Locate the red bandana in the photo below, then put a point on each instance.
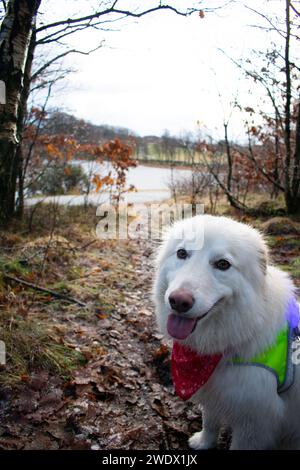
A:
(191, 370)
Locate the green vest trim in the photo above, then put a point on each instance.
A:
(275, 358)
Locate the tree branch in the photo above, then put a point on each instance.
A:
(36, 134)
(294, 9)
(113, 10)
(252, 158)
(287, 107)
(8, 277)
(296, 172)
(60, 56)
(233, 201)
(262, 81)
(71, 29)
(265, 18)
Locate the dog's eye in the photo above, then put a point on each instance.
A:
(182, 253)
(222, 264)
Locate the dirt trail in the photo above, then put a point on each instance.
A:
(123, 397)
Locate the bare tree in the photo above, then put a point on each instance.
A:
(16, 39)
(277, 72)
(169, 149)
(19, 37)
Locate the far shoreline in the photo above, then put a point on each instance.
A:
(151, 164)
(156, 164)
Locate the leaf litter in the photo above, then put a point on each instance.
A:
(122, 397)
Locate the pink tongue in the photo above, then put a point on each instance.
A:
(179, 327)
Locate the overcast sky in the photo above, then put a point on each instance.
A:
(164, 71)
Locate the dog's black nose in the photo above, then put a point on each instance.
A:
(181, 300)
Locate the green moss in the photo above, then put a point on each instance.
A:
(273, 241)
(61, 287)
(293, 268)
(13, 266)
(75, 272)
(294, 241)
(281, 241)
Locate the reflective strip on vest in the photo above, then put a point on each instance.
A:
(276, 359)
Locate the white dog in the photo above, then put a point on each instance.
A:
(232, 318)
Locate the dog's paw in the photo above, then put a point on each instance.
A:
(202, 440)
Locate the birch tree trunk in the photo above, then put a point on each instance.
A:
(21, 121)
(15, 35)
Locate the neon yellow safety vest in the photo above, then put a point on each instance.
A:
(276, 358)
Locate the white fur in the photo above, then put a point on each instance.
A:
(254, 296)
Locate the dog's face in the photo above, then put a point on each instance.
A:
(210, 274)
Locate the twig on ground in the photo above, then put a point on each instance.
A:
(43, 289)
(88, 244)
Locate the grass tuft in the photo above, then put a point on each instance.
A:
(30, 346)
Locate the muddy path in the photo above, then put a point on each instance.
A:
(123, 396)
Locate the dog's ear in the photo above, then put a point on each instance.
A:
(263, 259)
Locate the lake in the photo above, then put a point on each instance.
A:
(151, 184)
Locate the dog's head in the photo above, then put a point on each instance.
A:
(209, 282)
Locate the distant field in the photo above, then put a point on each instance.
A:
(178, 157)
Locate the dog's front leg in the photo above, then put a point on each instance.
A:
(207, 438)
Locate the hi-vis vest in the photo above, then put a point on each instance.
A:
(278, 357)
